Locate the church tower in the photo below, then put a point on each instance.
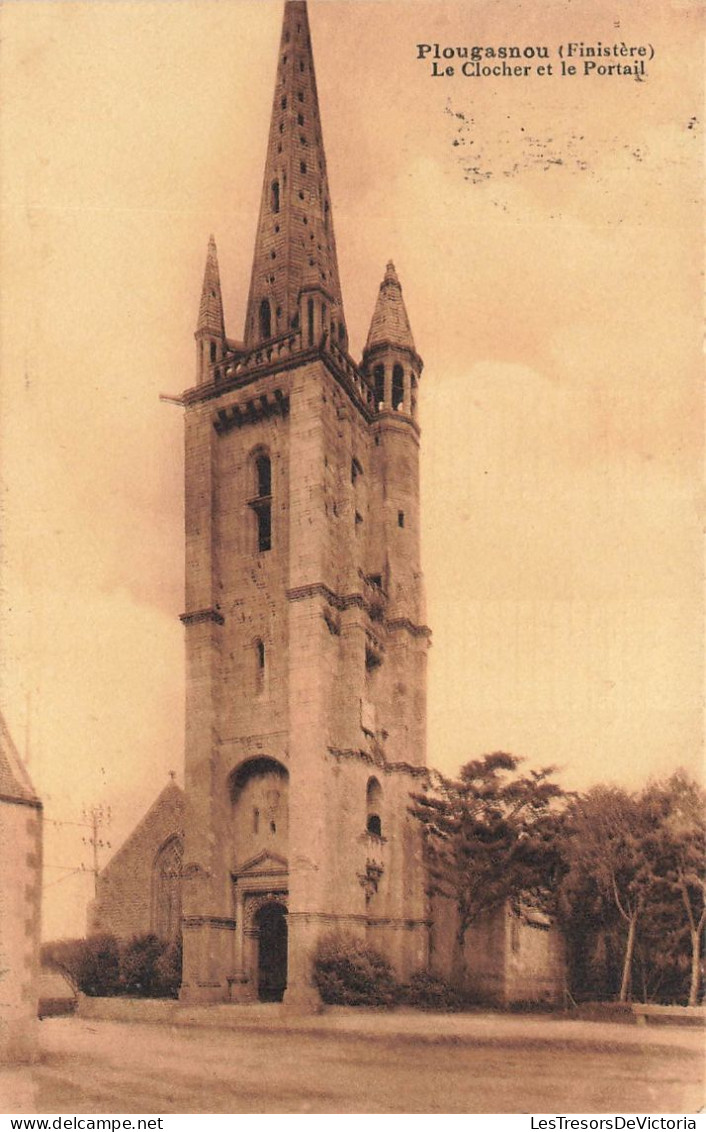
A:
(305, 627)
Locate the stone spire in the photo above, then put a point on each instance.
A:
(295, 249)
(211, 307)
(390, 324)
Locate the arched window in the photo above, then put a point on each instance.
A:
(275, 192)
(166, 888)
(373, 801)
(262, 503)
(310, 321)
(379, 378)
(212, 351)
(397, 386)
(265, 319)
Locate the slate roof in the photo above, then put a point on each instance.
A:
(15, 784)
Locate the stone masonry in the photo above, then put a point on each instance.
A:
(20, 904)
(133, 890)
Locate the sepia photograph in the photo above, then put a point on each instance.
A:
(351, 559)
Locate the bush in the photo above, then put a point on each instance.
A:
(67, 957)
(100, 969)
(90, 965)
(167, 970)
(138, 963)
(430, 992)
(102, 966)
(349, 973)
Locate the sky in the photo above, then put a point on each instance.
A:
(547, 232)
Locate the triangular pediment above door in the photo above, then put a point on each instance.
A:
(264, 864)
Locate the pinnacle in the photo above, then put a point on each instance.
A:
(211, 305)
(390, 324)
(391, 274)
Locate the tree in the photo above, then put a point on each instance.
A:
(610, 848)
(677, 812)
(490, 836)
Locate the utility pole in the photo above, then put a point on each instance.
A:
(95, 817)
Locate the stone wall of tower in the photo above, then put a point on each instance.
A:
(309, 600)
(401, 680)
(203, 946)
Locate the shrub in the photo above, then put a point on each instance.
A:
(90, 965)
(349, 973)
(167, 970)
(102, 966)
(66, 956)
(100, 971)
(430, 992)
(138, 963)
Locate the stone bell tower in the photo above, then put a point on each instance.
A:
(305, 635)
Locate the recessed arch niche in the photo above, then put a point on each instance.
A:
(259, 796)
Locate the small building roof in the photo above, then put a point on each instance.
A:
(15, 783)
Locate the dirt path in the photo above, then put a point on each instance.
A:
(107, 1067)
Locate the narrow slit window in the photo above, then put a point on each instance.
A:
(275, 196)
(310, 321)
(400, 518)
(259, 666)
(265, 319)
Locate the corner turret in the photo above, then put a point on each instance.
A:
(390, 361)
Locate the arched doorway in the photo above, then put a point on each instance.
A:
(271, 924)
